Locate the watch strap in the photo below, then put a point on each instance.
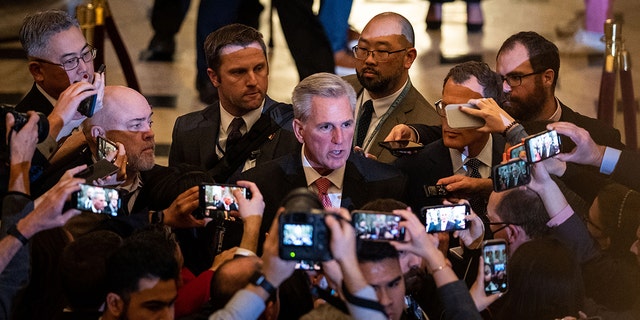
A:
(13, 231)
(259, 280)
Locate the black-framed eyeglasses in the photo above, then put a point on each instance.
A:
(440, 108)
(515, 80)
(72, 63)
(378, 55)
(503, 225)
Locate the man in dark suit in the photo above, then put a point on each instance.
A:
(529, 65)
(384, 54)
(324, 124)
(243, 128)
(446, 161)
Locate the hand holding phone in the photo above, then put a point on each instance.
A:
(99, 170)
(219, 197)
(106, 148)
(542, 145)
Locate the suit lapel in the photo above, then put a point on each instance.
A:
(207, 135)
(354, 188)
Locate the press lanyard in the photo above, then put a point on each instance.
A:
(384, 117)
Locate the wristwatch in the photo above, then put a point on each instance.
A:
(259, 280)
(157, 217)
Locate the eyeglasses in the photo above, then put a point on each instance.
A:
(378, 55)
(503, 225)
(516, 80)
(73, 63)
(440, 108)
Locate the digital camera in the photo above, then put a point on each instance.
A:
(303, 232)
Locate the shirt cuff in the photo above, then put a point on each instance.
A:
(609, 160)
(561, 217)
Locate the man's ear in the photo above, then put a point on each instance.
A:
(515, 234)
(213, 76)
(115, 305)
(410, 57)
(97, 131)
(547, 77)
(36, 71)
(298, 129)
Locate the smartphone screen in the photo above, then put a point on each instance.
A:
(219, 197)
(445, 218)
(105, 147)
(511, 175)
(494, 254)
(542, 146)
(96, 199)
(378, 226)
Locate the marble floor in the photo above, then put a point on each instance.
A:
(170, 85)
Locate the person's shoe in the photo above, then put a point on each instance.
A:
(583, 42)
(159, 50)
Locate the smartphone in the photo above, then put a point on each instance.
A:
(437, 191)
(88, 106)
(446, 217)
(516, 151)
(99, 170)
(377, 226)
(459, 120)
(401, 145)
(105, 147)
(494, 254)
(511, 175)
(216, 197)
(96, 199)
(542, 145)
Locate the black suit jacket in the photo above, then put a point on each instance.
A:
(430, 165)
(364, 180)
(35, 100)
(195, 136)
(600, 132)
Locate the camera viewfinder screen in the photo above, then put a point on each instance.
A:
(377, 226)
(299, 235)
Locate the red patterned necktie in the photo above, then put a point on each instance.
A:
(323, 185)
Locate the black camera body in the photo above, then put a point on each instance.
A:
(21, 119)
(303, 232)
(304, 236)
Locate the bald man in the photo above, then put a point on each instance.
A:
(149, 191)
(384, 54)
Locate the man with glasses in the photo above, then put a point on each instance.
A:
(384, 54)
(61, 63)
(463, 158)
(529, 65)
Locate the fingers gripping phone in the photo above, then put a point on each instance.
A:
(377, 226)
(511, 175)
(96, 199)
(88, 106)
(446, 218)
(105, 147)
(219, 197)
(494, 255)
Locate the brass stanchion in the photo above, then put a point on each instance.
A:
(95, 20)
(616, 60)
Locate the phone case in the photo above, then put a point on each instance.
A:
(459, 120)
